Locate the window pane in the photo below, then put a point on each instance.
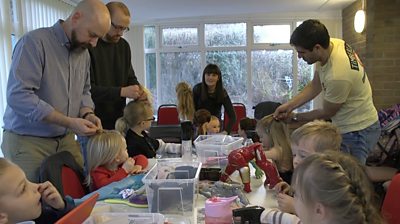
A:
(151, 75)
(219, 35)
(175, 68)
(272, 34)
(304, 77)
(179, 36)
(272, 75)
(233, 68)
(149, 37)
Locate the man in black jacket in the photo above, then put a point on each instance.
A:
(112, 77)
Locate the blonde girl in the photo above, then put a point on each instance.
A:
(108, 160)
(274, 136)
(184, 96)
(133, 125)
(333, 188)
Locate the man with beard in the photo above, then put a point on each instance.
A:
(48, 90)
(342, 79)
(112, 77)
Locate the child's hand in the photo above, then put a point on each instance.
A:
(51, 196)
(286, 203)
(137, 169)
(282, 187)
(128, 165)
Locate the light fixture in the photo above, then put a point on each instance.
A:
(359, 19)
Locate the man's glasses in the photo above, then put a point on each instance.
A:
(120, 28)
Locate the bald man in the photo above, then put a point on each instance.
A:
(48, 91)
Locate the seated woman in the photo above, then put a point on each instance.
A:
(211, 95)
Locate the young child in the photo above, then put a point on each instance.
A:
(184, 96)
(312, 137)
(333, 188)
(21, 200)
(133, 125)
(108, 160)
(213, 126)
(247, 129)
(274, 136)
(200, 121)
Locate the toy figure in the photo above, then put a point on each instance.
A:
(221, 189)
(239, 159)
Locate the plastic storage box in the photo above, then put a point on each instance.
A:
(171, 187)
(212, 150)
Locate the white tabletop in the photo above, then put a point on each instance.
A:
(258, 196)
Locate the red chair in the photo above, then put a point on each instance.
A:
(240, 110)
(72, 183)
(391, 206)
(64, 173)
(167, 115)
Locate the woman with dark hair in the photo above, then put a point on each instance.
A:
(211, 95)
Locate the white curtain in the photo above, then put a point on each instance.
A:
(16, 18)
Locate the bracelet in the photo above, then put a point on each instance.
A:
(87, 114)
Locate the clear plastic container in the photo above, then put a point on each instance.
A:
(171, 187)
(212, 150)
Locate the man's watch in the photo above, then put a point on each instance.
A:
(295, 117)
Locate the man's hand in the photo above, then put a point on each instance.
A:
(132, 92)
(95, 120)
(83, 127)
(51, 196)
(283, 112)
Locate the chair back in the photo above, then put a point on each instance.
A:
(391, 206)
(240, 110)
(64, 173)
(72, 183)
(265, 108)
(167, 115)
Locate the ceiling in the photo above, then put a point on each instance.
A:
(157, 10)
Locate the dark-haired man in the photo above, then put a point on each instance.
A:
(342, 79)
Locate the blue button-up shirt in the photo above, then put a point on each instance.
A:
(46, 76)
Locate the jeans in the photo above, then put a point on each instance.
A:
(83, 140)
(360, 143)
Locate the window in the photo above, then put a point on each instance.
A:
(256, 66)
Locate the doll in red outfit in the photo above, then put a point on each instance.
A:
(108, 160)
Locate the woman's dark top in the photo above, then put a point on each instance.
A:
(211, 104)
(137, 145)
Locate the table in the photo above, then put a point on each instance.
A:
(259, 196)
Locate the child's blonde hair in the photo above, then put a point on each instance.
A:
(102, 149)
(184, 95)
(134, 112)
(324, 134)
(338, 182)
(279, 135)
